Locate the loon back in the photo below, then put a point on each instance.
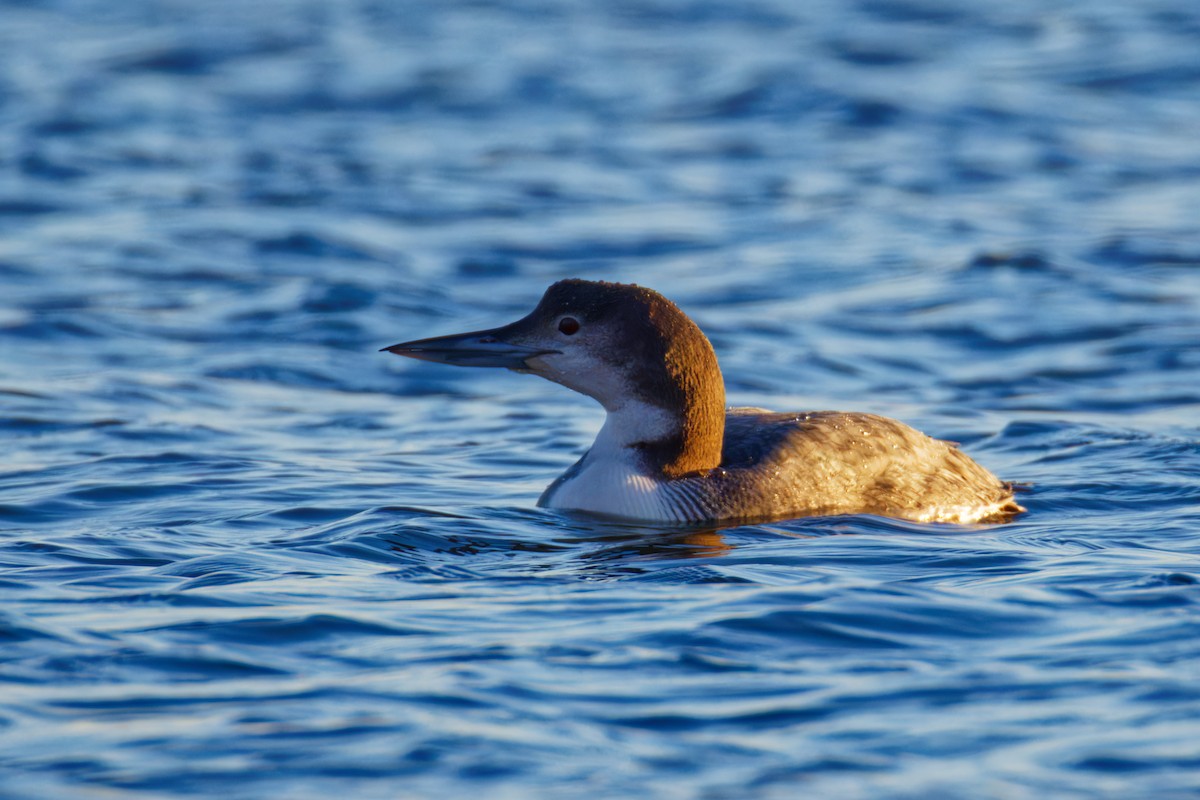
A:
(834, 462)
(670, 452)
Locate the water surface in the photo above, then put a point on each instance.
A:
(243, 554)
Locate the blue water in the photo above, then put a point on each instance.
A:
(245, 555)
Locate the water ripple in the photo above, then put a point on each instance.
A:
(242, 553)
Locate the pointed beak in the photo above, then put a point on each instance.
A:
(475, 349)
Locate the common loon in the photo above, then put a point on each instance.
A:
(669, 450)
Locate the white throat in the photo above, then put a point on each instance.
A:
(634, 422)
(612, 478)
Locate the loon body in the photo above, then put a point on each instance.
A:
(670, 451)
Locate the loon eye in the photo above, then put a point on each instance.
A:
(568, 325)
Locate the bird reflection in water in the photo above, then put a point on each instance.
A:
(614, 540)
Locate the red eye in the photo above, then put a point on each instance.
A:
(568, 325)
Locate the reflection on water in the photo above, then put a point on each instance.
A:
(634, 544)
(243, 553)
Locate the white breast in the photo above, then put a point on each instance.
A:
(615, 487)
(611, 480)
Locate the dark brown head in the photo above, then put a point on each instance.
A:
(628, 347)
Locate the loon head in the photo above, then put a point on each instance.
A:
(626, 346)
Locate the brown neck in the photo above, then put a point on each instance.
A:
(694, 392)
